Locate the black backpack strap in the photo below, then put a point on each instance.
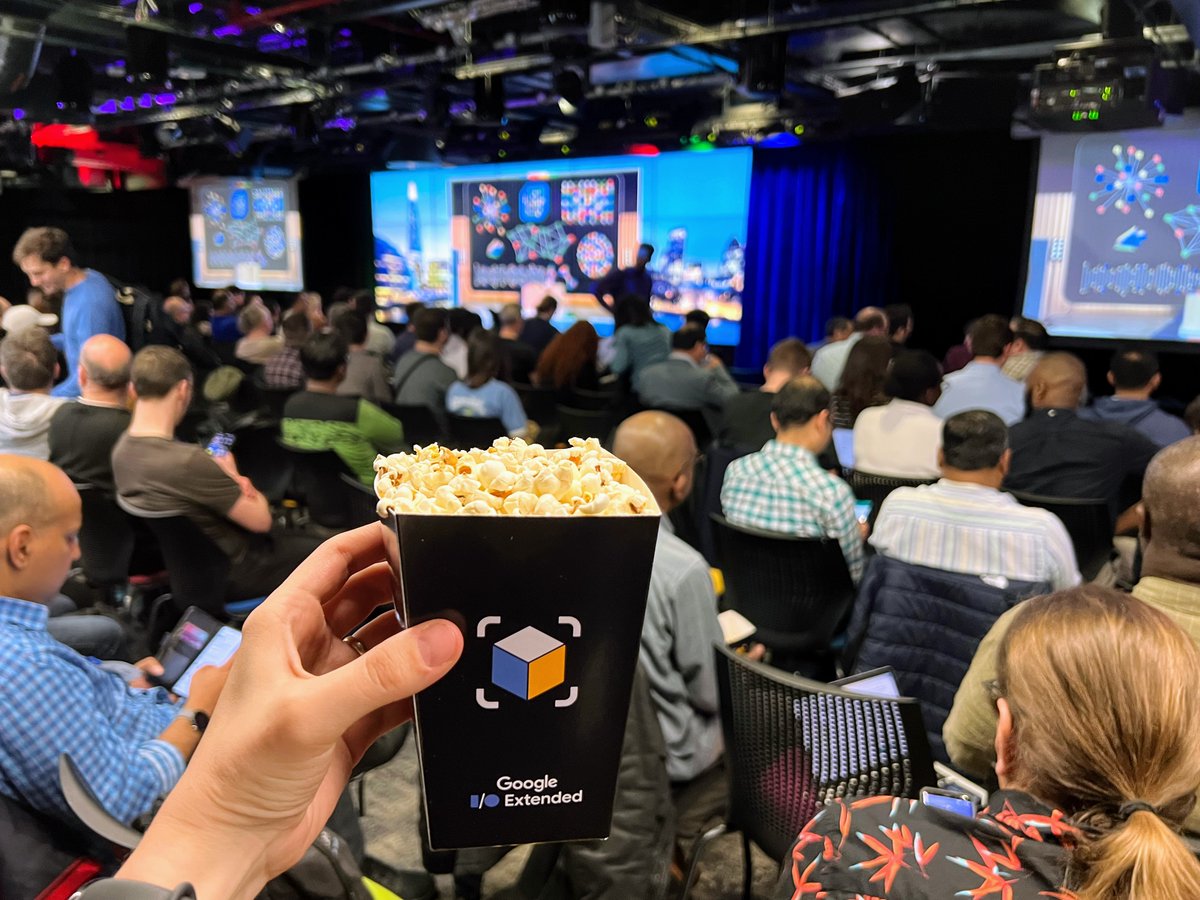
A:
(425, 357)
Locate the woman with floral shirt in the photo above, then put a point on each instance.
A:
(1098, 748)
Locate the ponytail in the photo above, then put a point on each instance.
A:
(1141, 858)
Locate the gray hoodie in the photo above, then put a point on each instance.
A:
(25, 422)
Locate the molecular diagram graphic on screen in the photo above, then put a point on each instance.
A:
(595, 254)
(589, 201)
(1135, 178)
(549, 242)
(274, 242)
(1186, 225)
(490, 210)
(215, 208)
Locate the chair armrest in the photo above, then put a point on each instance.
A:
(85, 805)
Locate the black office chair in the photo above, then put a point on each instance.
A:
(796, 591)
(474, 431)
(706, 499)
(361, 500)
(1089, 522)
(106, 541)
(421, 426)
(87, 807)
(540, 405)
(693, 419)
(583, 423)
(273, 399)
(46, 858)
(581, 398)
(256, 449)
(793, 745)
(317, 484)
(876, 488)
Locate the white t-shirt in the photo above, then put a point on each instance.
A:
(900, 440)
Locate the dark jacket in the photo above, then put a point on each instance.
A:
(926, 624)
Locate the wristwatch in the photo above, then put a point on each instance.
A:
(197, 717)
(112, 889)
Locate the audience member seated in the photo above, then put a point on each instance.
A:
(959, 355)
(83, 432)
(408, 337)
(29, 366)
(482, 394)
(310, 303)
(1170, 582)
(746, 417)
(782, 487)
(517, 360)
(1029, 344)
(689, 378)
(365, 375)
(1134, 376)
(900, 324)
(862, 380)
(837, 328)
(157, 475)
(462, 324)
(830, 360)
(981, 384)
(89, 304)
(283, 370)
(380, 339)
(538, 332)
(421, 377)
(178, 331)
(640, 342)
(1097, 765)
(259, 343)
(131, 745)
(681, 624)
(1058, 454)
(569, 362)
(223, 323)
(901, 439)
(319, 418)
(965, 523)
(699, 318)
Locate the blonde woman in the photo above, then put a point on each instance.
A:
(1098, 760)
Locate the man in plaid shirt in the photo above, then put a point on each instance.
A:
(283, 370)
(782, 488)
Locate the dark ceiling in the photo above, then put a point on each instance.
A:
(222, 83)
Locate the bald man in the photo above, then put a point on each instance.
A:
(1056, 453)
(830, 360)
(131, 745)
(681, 624)
(84, 432)
(1170, 582)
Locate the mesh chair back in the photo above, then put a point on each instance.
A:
(795, 590)
(877, 487)
(361, 500)
(584, 423)
(693, 419)
(1088, 522)
(37, 851)
(539, 403)
(106, 540)
(420, 425)
(792, 745)
(316, 480)
(710, 476)
(273, 399)
(197, 568)
(256, 448)
(474, 431)
(581, 398)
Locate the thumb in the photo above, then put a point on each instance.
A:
(399, 667)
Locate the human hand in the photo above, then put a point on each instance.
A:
(298, 711)
(247, 486)
(228, 464)
(207, 685)
(151, 668)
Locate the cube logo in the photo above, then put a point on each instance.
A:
(528, 663)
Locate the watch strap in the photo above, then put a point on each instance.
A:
(116, 889)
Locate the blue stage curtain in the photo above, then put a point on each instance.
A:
(816, 245)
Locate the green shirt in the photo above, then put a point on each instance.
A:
(353, 428)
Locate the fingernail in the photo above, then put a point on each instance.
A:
(437, 642)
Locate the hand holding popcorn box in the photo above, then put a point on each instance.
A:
(543, 558)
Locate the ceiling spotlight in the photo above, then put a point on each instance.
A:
(568, 84)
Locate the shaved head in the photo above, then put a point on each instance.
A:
(106, 360)
(1171, 495)
(1057, 381)
(659, 447)
(40, 517)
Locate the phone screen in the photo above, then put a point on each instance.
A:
(184, 645)
(951, 803)
(215, 653)
(862, 509)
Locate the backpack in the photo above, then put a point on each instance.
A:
(141, 309)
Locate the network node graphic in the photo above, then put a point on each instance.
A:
(548, 242)
(490, 210)
(1135, 179)
(1185, 224)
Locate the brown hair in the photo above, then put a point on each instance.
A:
(28, 359)
(568, 355)
(1105, 699)
(865, 374)
(156, 370)
(791, 356)
(47, 244)
(483, 358)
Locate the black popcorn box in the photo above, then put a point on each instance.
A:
(521, 741)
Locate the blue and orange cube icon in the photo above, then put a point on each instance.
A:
(529, 663)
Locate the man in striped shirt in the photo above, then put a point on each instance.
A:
(964, 523)
(782, 487)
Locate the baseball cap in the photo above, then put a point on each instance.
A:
(20, 317)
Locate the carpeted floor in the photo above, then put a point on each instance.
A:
(390, 824)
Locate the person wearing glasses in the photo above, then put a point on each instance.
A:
(1097, 698)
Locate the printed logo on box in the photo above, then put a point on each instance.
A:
(541, 791)
(528, 663)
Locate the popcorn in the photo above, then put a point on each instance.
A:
(510, 478)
